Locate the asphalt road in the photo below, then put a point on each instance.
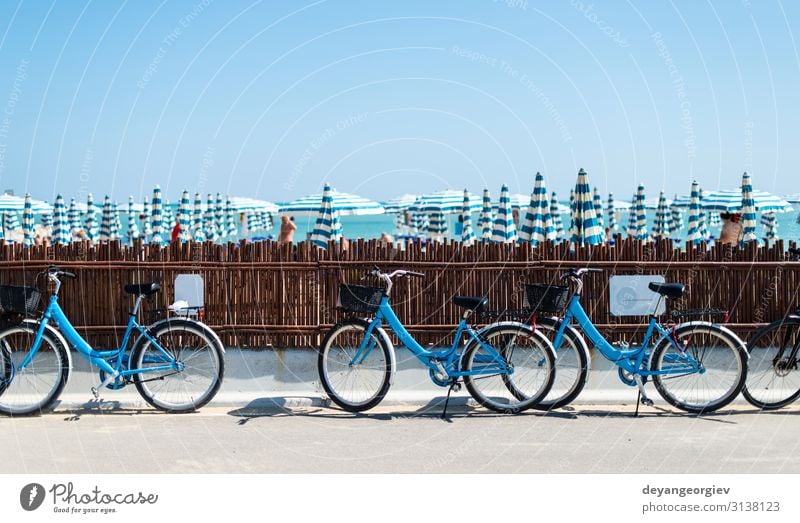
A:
(265, 438)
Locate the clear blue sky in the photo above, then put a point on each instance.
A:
(271, 99)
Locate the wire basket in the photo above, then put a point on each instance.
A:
(359, 298)
(546, 298)
(18, 300)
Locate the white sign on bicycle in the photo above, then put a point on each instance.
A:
(631, 297)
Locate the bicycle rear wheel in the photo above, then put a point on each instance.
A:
(186, 374)
(572, 365)
(355, 382)
(34, 388)
(773, 377)
(703, 371)
(514, 373)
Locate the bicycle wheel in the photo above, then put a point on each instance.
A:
(182, 370)
(357, 385)
(517, 347)
(572, 365)
(704, 371)
(773, 379)
(34, 388)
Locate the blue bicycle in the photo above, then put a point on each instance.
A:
(506, 366)
(176, 364)
(696, 366)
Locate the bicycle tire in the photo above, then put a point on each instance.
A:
(773, 384)
(572, 365)
(725, 367)
(508, 392)
(369, 383)
(169, 390)
(34, 389)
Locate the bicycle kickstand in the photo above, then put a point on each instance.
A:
(641, 397)
(454, 385)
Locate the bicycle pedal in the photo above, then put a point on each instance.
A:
(647, 402)
(95, 393)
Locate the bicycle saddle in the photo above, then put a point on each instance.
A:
(670, 290)
(473, 303)
(143, 289)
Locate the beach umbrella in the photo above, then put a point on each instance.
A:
(73, 217)
(632, 217)
(46, 219)
(344, 203)
(399, 204)
(92, 227)
(770, 223)
(748, 211)
(231, 227)
(242, 204)
(61, 233)
(612, 214)
(486, 221)
(641, 216)
(437, 225)
(598, 213)
(167, 217)
(572, 214)
(147, 227)
(444, 202)
(555, 215)
(158, 226)
(585, 229)
(219, 219)
(9, 202)
(703, 222)
(209, 220)
(400, 223)
(661, 225)
(731, 201)
(538, 224)
(504, 230)
(695, 233)
(27, 222)
(198, 230)
(253, 223)
(11, 221)
(116, 224)
(677, 219)
(184, 218)
(105, 223)
(133, 227)
(415, 225)
(467, 234)
(327, 226)
(266, 221)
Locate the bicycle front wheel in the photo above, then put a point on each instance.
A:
(773, 379)
(354, 370)
(181, 370)
(572, 365)
(511, 370)
(701, 370)
(34, 388)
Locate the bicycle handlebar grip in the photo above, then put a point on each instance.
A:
(594, 270)
(416, 274)
(67, 274)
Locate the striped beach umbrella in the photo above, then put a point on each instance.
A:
(703, 223)
(661, 224)
(486, 221)
(147, 226)
(253, 223)
(598, 213)
(585, 229)
(612, 214)
(198, 229)
(731, 201)
(631, 229)
(61, 232)
(92, 225)
(158, 224)
(572, 214)
(677, 218)
(74, 217)
(415, 223)
(266, 221)
(445, 202)
(327, 226)
(770, 223)
(133, 227)
(641, 216)
(167, 217)
(27, 222)
(46, 219)
(231, 226)
(184, 218)
(209, 220)
(106, 217)
(748, 210)
(219, 218)
(467, 234)
(695, 233)
(437, 226)
(399, 204)
(116, 223)
(538, 224)
(504, 229)
(344, 203)
(11, 221)
(555, 215)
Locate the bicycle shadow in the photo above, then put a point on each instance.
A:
(101, 407)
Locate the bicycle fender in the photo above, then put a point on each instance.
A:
(59, 337)
(722, 328)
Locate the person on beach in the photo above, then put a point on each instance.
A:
(176, 232)
(731, 232)
(287, 230)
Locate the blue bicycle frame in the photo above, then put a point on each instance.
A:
(631, 360)
(448, 357)
(100, 358)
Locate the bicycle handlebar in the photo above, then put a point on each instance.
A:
(376, 271)
(578, 273)
(52, 270)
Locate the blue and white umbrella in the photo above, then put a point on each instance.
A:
(167, 217)
(399, 204)
(748, 211)
(598, 213)
(210, 220)
(538, 224)
(486, 221)
(266, 221)
(327, 227)
(504, 230)
(219, 219)
(105, 224)
(555, 214)
(661, 228)
(27, 222)
(11, 221)
(585, 229)
(444, 202)
(133, 227)
(231, 225)
(253, 223)
(612, 214)
(9, 202)
(147, 226)
(184, 218)
(157, 217)
(418, 224)
(703, 223)
(695, 233)
(92, 227)
(344, 203)
(437, 226)
(61, 233)
(641, 216)
(731, 201)
(631, 229)
(198, 229)
(74, 217)
(116, 223)
(677, 219)
(46, 219)
(573, 210)
(770, 223)
(467, 234)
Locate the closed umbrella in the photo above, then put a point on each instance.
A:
(417, 223)
(612, 214)
(11, 221)
(641, 216)
(46, 220)
(73, 217)
(467, 234)
(209, 220)
(661, 225)
(504, 230)
(677, 219)
(158, 227)
(253, 223)
(231, 228)
(219, 218)
(748, 211)
(327, 227)
(573, 209)
(266, 221)
(61, 233)
(770, 223)
(598, 213)
(632, 218)
(27, 221)
(437, 226)
(555, 214)
(586, 231)
(133, 227)
(167, 218)
(198, 229)
(184, 218)
(116, 223)
(703, 222)
(538, 224)
(147, 226)
(105, 224)
(695, 233)
(486, 221)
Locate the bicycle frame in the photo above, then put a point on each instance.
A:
(449, 358)
(97, 358)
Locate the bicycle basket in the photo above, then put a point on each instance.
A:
(546, 298)
(359, 298)
(18, 300)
